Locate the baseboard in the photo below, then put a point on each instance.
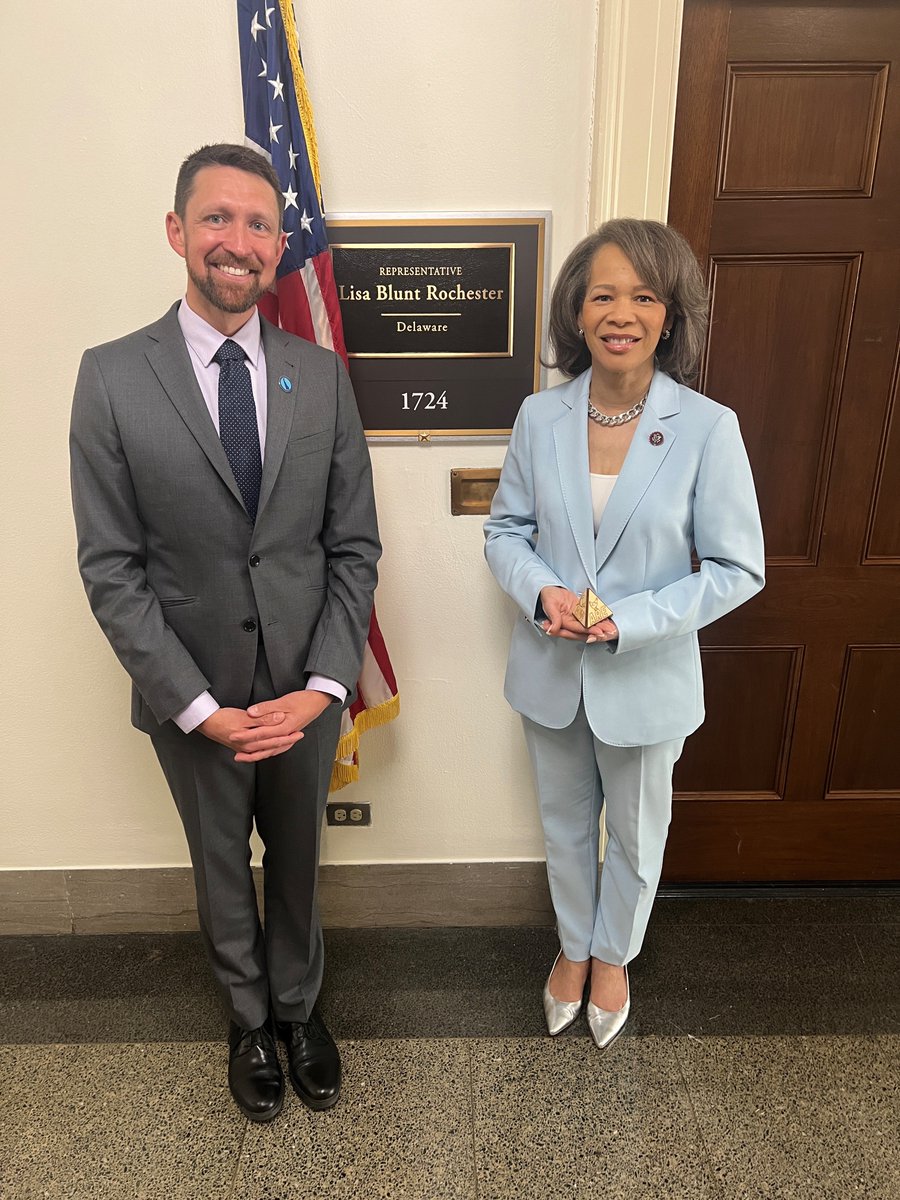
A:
(158, 900)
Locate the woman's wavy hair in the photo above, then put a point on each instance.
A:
(666, 264)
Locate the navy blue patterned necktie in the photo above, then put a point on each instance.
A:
(238, 430)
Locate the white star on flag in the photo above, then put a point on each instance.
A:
(262, 73)
(273, 132)
(269, 12)
(290, 198)
(292, 156)
(306, 222)
(278, 86)
(255, 27)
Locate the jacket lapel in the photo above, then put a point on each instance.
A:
(281, 363)
(642, 462)
(171, 363)
(570, 436)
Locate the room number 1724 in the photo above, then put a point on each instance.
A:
(425, 400)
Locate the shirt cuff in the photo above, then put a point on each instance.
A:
(321, 683)
(196, 712)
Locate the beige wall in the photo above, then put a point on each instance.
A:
(463, 106)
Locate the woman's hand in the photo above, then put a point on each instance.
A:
(557, 603)
(603, 631)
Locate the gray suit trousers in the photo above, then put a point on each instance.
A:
(218, 800)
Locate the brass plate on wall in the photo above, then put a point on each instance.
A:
(443, 318)
(472, 490)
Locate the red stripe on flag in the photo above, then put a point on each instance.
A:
(293, 306)
(380, 653)
(378, 650)
(325, 272)
(268, 306)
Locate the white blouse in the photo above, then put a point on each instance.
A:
(601, 488)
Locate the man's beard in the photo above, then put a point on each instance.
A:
(220, 296)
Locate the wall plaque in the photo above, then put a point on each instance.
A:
(442, 319)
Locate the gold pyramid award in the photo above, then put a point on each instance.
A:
(590, 609)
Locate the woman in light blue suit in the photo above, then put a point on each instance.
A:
(611, 481)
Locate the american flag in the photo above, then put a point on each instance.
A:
(278, 123)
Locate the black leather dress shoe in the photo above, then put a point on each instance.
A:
(314, 1060)
(254, 1072)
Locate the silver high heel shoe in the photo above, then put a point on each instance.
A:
(560, 1014)
(606, 1026)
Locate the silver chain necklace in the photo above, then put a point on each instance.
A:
(620, 418)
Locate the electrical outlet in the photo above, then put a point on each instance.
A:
(348, 814)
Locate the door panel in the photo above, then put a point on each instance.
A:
(866, 757)
(828, 120)
(763, 683)
(786, 181)
(883, 542)
(763, 311)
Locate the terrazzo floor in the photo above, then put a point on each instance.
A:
(762, 1060)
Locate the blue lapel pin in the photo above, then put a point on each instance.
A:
(285, 384)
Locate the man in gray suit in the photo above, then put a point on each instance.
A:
(228, 545)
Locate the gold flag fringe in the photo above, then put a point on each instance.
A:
(343, 773)
(303, 101)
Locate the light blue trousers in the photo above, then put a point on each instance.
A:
(576, 775)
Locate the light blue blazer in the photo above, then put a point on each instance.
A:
(692, 490)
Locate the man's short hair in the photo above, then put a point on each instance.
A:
(224, 154)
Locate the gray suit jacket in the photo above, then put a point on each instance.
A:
(181, 581)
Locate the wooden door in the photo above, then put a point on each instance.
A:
(786, 181)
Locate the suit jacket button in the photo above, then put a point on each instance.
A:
(249, 626)
(254, 560)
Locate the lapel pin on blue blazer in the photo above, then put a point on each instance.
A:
(656, 438)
